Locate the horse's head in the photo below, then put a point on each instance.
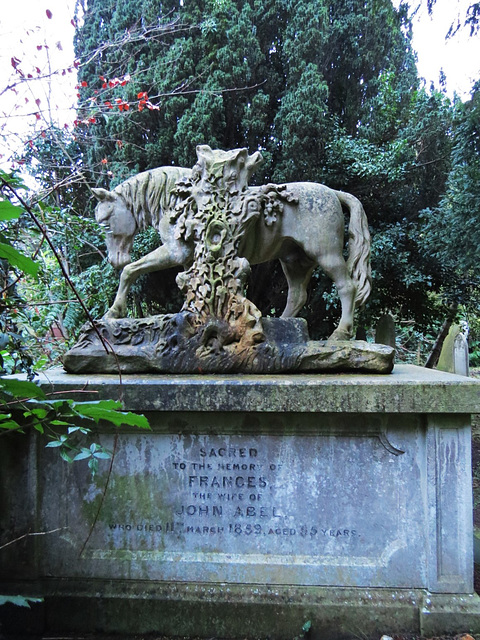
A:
(113, 213)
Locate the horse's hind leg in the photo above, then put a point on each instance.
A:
(297, 273)
(336, 269)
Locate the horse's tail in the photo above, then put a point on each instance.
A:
(358, 262)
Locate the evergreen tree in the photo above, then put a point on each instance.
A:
(453, 226)
(327, 90)
(274, 75)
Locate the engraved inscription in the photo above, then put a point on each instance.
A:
(236, 491)
(234, 498)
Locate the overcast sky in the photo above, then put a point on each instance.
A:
(26, 26)
(37, 36)
(459, 57)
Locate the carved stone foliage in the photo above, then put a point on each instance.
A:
(215, 212)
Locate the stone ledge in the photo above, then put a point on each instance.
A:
(450, 614)
(220, 610)
(409, 389)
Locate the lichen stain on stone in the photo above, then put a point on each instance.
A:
(135, 501)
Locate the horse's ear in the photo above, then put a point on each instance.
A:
(103, 194)
(253, 162)
(203, 150)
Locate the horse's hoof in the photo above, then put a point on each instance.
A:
(112, 314)
(339, 335)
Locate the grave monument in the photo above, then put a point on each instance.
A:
(287, 487)
(215, 225)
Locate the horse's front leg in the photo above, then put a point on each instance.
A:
(119, 306)
(162, 258)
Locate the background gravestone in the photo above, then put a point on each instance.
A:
(454, 355)
(460, 355)
(385, 331)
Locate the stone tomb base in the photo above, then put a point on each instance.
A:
(255, 505)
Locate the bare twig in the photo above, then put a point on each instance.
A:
(104, 493)
(43, 303)
(27, 535)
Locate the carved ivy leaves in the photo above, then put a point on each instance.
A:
(215, 216)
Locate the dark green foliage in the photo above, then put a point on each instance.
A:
(23, 404)
(452, 232)
(64, 206)
(274, 75)
(302, 122)
(14, 352)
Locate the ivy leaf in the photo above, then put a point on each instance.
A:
(54, 444)
(84, 453)
(65, 456)
(8, 424)
(21, 388)
(63, 407)
(59, 442)
(307, 626)
(19, 601)
(103, 455)
(38, 413)
(108, 410)
(19, 260)
(9, 211)
(93, 466)
(72, 428)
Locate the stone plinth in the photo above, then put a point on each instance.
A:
(343, 500)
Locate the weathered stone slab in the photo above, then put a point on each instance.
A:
(209, 610)
(408, 389)
(284, 507)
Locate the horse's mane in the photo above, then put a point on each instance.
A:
(149, 194)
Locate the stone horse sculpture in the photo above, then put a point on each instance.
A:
(308, 233)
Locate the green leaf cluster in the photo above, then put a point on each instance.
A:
(9, 212)
(37, 300)
(65, 422)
